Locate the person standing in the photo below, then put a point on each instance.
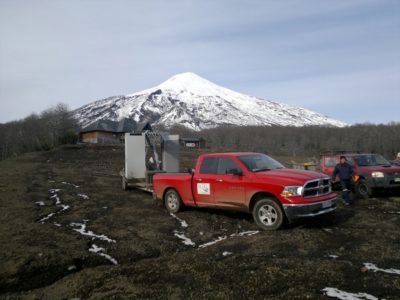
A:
(345, 172)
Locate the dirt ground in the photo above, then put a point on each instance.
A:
(68, 231)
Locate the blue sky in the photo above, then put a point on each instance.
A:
(339, 58)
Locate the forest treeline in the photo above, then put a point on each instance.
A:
(56, 126)
(44, 131)
(301, 141)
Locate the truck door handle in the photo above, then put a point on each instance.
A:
(220, 180)
(199, 179)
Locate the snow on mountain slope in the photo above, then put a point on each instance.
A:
(192, 101)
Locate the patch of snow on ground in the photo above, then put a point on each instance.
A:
(71, 184)
(334, 292)
(185, 240)
(83, 196)
(333, 256)
(71, 268)
(374, 268)
(95, 249)
(392, 212)
(245, 233)
(40, 203)
(213, 242)
(46, 217)
(57, 224)
(82, 230)
(100, 251)
(183, 222)
(226, 253)
(327, 230)
(222, 238)
(55, 196)
(64, 207)
(181, 235)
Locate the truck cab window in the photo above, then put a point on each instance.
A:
(330, 162)
(209, 165)
(226, 165)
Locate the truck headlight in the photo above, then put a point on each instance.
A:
(378, 174)
(292, 191)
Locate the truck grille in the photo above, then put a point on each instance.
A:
(317, 187)
(393, 178)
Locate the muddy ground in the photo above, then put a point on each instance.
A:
(69, 231)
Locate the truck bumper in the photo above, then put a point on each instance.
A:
(296, 211)
(388, 182)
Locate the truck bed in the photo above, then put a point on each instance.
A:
(181, 182)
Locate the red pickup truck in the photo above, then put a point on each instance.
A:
(250, 182)
(372, 171)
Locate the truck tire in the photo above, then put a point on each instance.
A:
(362, 189)
(172, 201)
(268, 214)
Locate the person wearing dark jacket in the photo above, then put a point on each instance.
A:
(345, 172)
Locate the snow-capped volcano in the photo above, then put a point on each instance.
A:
(192, 101)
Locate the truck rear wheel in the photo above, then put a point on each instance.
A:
(362, 189)
(172, 201)
(268, 214)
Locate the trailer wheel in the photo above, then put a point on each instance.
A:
(268, 214)
(172, 201)
(362, 189)
(124, 183)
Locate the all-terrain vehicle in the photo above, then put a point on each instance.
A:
(372, 171)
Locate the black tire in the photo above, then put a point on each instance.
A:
(268, 214)
(172, 201)
(362, 189)
(124, 183)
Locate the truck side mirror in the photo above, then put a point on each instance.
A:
(190, 171)
(235, 172)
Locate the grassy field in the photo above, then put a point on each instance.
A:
(69, 231)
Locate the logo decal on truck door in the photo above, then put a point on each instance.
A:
(203, 189)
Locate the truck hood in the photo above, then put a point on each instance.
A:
(288, 177)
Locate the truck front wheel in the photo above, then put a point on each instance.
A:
(172, 201)
(362, 189)
(268, 214)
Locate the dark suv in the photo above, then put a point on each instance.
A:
(372, 171)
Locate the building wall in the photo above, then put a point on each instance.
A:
(99, 137)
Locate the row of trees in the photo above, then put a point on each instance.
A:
(52, 127)
(301, 141)
(56, 126)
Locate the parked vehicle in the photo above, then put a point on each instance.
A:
(372, 171)
(250, 182)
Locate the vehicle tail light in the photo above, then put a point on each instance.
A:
(356, 177)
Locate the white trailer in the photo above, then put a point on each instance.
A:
(146, 154)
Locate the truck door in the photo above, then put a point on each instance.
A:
(229, 189)
(204, 181)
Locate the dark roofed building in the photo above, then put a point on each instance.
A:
(110, 132)
(193, 143)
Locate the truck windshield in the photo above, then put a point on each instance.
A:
(371, 160)
(260, 162)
